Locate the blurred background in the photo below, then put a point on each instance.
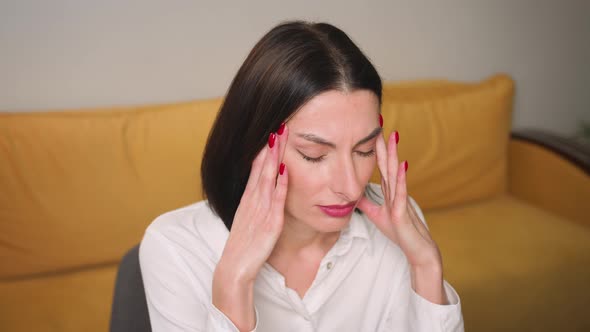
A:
(69, 53)
(77, 191)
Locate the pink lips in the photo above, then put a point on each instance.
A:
(338, 211)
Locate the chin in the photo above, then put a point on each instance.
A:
(320, 221)
(327, 224)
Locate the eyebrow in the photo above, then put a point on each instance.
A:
(316, 139)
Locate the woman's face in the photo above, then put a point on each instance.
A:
(330, 155)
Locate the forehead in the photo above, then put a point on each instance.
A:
(337, 107)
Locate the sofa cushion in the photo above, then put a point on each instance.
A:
(68, 302)
(516, 267)
(79, 188)
(454, 136)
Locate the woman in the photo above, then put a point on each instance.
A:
(290, 237)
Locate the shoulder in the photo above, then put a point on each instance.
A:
(193, 230)
(177, 258)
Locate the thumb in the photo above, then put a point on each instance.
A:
(377, 214)
(372, 210)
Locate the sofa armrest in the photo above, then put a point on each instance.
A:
(551, 172)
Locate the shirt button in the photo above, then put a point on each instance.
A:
(330, 265)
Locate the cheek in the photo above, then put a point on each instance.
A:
(366, 168)
(303, 175)
(306, 180)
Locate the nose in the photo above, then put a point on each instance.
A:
(346, 183)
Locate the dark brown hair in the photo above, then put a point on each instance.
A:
(291, 64)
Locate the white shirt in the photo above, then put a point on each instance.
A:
(363, 283)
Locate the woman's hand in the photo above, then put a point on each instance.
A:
(256, 227)
(397, 219)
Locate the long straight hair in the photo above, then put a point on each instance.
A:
(291, 64)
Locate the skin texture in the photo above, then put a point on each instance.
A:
(330, 148)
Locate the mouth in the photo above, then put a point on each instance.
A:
(338, 211)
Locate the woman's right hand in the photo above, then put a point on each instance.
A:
(256, 227)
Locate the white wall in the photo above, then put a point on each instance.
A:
(68, 54)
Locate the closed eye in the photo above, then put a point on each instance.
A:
(311, 159)
(366, 153)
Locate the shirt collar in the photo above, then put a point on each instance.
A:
(357, 227)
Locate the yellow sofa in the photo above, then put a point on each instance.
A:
(78, 188)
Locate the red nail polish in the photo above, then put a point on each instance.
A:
(396, 137)
(271, 140)
(281, 129)
(282, 169)
(381, 120)
(405, 166)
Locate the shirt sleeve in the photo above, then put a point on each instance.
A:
(408, 311)
(427, 316)
(178, 294)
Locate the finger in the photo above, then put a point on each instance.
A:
(412, 210)
(392, 165)
(282, 138)
(401, 191)
(255, 170)
(418, 223)
(375, 214)
(266, 183)
(280, 196)
(381, 150)
(384, 191)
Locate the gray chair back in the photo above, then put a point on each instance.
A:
(129, 311)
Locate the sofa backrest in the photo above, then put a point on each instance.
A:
(78, 188)
(454, 136)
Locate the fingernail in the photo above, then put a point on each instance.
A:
(381, 120)
(405, 166)
(281, 169)
(271, 140)
(281, 129)
(396, 137)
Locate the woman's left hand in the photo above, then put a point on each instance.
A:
(397, 219)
